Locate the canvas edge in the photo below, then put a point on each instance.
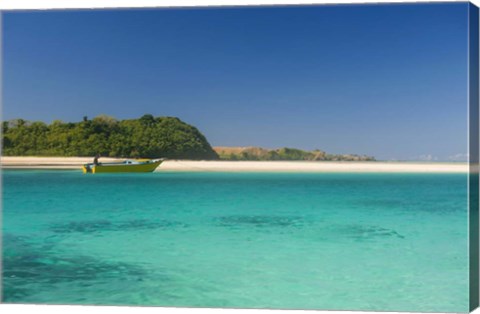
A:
(473, 186)
(1, 153)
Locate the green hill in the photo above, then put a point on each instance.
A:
(258, 153)
(147, 137)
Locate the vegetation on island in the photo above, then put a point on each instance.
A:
(147, 137)
(257, 153)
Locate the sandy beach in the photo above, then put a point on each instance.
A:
(246, 166)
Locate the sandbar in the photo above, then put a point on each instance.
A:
(246, 166)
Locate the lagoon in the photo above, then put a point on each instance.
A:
(340, 241)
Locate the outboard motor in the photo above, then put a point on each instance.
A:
(88, 168)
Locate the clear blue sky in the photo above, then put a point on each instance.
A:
(383, 80)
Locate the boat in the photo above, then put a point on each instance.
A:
(129, 165)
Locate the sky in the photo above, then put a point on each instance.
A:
(388, 81)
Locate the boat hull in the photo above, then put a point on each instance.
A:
(122, 168)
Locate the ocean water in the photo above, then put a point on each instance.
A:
(390, 242)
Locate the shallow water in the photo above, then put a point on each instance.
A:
(391, 242)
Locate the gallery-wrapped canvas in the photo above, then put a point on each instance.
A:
(320, 157)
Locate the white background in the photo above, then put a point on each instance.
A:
(49, 4)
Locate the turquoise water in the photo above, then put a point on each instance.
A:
(391, 242)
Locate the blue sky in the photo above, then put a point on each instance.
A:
(382, 80)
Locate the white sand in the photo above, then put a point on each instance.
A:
(246, 166)
(312, 166)
(49, 162)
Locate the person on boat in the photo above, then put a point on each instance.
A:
(95, 160)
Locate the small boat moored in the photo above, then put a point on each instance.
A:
(129, 165)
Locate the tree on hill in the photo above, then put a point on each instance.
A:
(147, 137)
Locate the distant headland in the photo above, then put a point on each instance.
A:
(284, 154)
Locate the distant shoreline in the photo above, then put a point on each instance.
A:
(247, 166)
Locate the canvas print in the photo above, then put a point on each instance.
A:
(320, 157)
